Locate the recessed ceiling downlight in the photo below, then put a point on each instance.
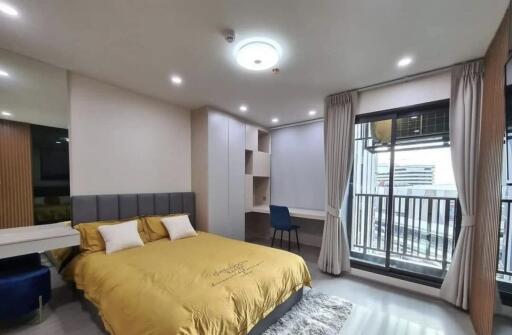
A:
(176, 80)
(9, 10)
(4, 73)
(405, 61)
(6, 113)
(257, 54)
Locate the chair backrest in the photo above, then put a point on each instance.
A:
(280, 217)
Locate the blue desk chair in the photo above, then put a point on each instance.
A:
(280, 220)
(24, 286)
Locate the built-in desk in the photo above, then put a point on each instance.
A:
(26, 240)
(294, 212)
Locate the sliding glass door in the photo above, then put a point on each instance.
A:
(404, 208)
(370, 196)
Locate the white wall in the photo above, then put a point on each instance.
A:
(413, 92)
(124, 142)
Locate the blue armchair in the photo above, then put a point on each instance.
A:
(280, 220)
(24, 286)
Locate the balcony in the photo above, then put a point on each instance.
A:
(422, 237)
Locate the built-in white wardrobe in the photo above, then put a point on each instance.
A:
(218, 172)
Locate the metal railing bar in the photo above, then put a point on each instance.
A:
(438, 210)
(398, 227)
(445, 238)
(372, 227)
(379, 223)
(404, 196)
(406, 226)
(429, 226)
(419, 227)
(365, 226)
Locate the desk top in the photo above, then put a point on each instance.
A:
(34, 233)
(294, 212)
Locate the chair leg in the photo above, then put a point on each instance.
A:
(289, 241)
(297, 236)
(273, 237)
(281, 243)
(40, 311)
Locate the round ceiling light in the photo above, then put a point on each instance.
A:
(257, 53)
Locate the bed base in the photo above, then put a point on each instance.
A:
(276, 314)
(258, 329)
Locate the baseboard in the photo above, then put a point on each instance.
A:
(395, 282)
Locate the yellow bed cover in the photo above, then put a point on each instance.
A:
(200, 285)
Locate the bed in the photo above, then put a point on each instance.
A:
(200, 285)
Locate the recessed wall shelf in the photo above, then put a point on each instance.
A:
(263, 141)
(248, 162)
(257, 167)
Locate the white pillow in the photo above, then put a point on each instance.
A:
(120, 236)
(179, 227)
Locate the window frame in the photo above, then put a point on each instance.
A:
(387, 270)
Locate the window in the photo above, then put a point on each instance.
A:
(504, 262)
(404, 155)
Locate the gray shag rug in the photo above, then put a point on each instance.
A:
(316, 314)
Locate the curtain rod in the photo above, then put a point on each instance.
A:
(407, 78)
(298, 123)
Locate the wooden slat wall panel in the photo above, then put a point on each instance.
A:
(16, 195)
(489, 174)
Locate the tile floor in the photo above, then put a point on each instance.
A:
(379, 309)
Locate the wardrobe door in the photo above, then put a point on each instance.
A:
(236, 188)
(218, 174)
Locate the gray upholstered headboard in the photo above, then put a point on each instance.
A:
(89, 208)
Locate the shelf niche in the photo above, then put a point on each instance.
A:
(263, 141)
(261, 191)
(248, 162)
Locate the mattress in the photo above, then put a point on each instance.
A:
(199, 285)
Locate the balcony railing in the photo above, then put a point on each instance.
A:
(423, 231)
(504, 272)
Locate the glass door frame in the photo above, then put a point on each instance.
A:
(393, 115)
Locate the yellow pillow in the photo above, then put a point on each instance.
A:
(91, 240)
(57, 256)
(155, 228)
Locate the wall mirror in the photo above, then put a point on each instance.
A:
(34, 151)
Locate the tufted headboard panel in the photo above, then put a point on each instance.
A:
(90, 208)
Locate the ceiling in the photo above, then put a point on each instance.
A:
(328, 45)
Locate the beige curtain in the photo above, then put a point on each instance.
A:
(465, 115)
(338, 141)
